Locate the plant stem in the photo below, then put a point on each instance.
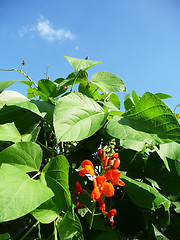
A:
(37, 174)
(20, 71)
(29, 231)
(92, 215)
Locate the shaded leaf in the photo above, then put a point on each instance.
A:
(70, 227)
(143, 195)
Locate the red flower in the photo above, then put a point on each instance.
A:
(116, 163)
(79, 206)
(101, 204)
(101, 187)
(79, 189)
(113, 176)
(111, 215)
(87, 168)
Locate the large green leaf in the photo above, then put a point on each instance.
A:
(77, 117)
(19, 194)
(149, 121)
(143, 195)
(8, 83)
(13, 105)
(8, 132)
(55, 175)
(24, 155)
(155, 115)
(69, 228)
(79, 64)
(108, 82)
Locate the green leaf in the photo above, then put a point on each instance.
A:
(169, 182)
(111, 97)
(131, 130)
(132, 144)
(77, 117)
(46, 88)
(19, 194)
(32, 92)
(162, 156)
(12, 101)
(79, 64)
(177, 206)
(8, 83)
(171, 150)
(163, 95)
(8, 132)
(158, 234)
(55, 176)
(108, 82)
(143, 195)
(70, 227)
(128, 102)
(46, 212)
(31, 134)
(27, 156)
(154, 113)
(89, 90)
(135, 97)
(150, 121)
(46, 109)
(5, 236)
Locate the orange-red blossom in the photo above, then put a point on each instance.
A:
(87, 168)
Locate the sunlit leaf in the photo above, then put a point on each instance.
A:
(77, 117)
(8, 83)
(27, 156)
(79, 64)
(19, 194)
(108, 82)
(8, 132)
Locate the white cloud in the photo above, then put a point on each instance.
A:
(46, 30)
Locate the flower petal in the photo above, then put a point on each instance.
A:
(96, 194)
(86, 162)
(108, 189)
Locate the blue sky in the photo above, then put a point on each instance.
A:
(138, 40)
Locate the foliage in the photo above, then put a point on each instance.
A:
(74, 166)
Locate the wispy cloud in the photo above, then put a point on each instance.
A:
(47, 31)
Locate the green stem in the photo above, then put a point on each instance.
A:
(50, 150)
(29, 231)
(92, 215)
(39, 231)
(37, 174)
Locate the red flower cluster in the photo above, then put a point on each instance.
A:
(104, 183)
